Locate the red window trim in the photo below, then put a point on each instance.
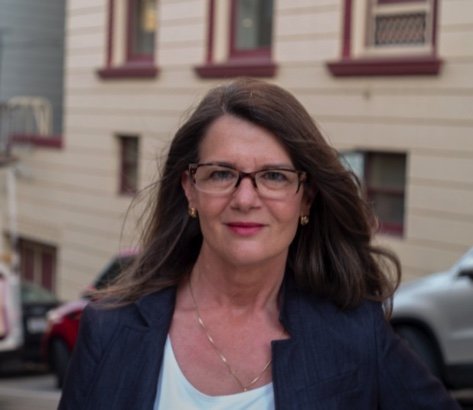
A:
(393, 229)
(235, 68)
(383, 66)
(245, 65)
(130, 69)
(49, 141)
(397, 1)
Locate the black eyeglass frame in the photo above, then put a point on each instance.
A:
(301, 175)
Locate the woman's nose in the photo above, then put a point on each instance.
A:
(246, 194)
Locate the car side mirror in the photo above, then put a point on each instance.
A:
(468, 272)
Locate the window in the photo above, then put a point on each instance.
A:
(129, 152)
(388, 37)
(141, 30)
(383, 176)
(132, 26)
(251, 31)
(37, 263)
(243, 47)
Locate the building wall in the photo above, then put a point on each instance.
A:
(31, 52)
(69, 197)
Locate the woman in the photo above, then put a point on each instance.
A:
(257, 286)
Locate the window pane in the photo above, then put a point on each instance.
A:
(387, 171)
(354, 161)
(129, 164)
(37, 263)
(143, 27)
(253, 28)
(389, 208)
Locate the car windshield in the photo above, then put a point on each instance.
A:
(112, 271)
(466, 262)
(32, 293)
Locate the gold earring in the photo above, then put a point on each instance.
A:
(304, 220)
(192, 212)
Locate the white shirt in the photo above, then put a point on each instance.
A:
(175, 392)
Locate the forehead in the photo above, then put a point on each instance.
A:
(240, 142)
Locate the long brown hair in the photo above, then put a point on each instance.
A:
(332, 256)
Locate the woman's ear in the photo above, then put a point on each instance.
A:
(307, 200)
(188, 188)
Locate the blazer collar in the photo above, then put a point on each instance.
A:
(157, 308)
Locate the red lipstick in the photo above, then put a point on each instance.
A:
(245, 228)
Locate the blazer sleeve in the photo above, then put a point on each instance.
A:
(404, 381)
(84, 361)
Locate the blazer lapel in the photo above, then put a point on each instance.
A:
(316, 364)
(134, 358)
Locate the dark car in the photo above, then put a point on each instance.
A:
(36, 303)
(28, 328)
(63, 322)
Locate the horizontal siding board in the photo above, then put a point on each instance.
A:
(117, 123)
(456, 44)
(454, 13)
(442, 168)
(303, 5)
(150, 100)
(308, 23)
(315, 50)
(445, 230)
(192, 9)
(395, 105)
(91, 20)
(196, 32)
(441, 199)
(400, 136)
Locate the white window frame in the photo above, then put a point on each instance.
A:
(364, 13)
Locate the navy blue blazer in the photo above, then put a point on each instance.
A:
(334, 360)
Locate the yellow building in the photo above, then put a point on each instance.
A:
(389, 81)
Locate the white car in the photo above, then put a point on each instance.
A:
(434, 315)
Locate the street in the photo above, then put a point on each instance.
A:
(37, 391)
(28, 390)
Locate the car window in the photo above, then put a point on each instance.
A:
(32, 293)
(112, 271)
(466, 262)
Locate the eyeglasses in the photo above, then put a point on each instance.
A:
(271, 183)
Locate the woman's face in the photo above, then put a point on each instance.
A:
(242, 228)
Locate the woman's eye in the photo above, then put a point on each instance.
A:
(221, 175)
(275, 176)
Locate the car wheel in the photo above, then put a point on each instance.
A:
(423, 346)
(60, 356)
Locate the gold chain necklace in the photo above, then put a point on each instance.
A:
(224, 360)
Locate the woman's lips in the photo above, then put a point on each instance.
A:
(245, 228)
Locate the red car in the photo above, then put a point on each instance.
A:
(63, 322)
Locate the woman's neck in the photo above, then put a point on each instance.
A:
(237, 287)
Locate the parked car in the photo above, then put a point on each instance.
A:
(27, 323)
(435, 316)
(63, 322)
(36, 303)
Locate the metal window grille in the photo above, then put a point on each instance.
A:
(400, 29)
